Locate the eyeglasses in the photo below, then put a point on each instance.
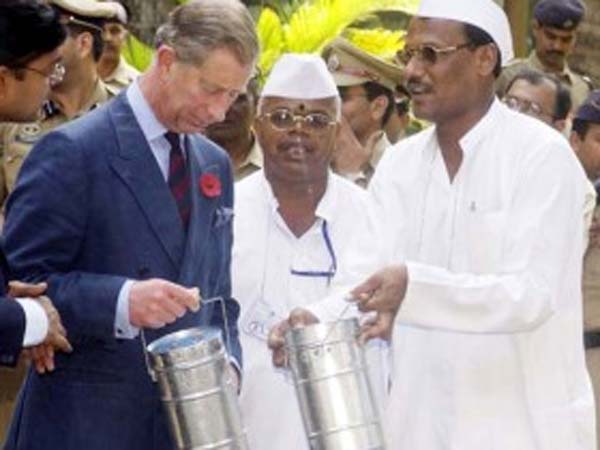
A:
(525, 106)
(329, 273)
(284, 120)
(54, 76)
(429, 54)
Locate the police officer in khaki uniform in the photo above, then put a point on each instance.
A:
(81, 88)
(236, 133)
(554, 30)
(585, 140)
(112, 67)
(366, 85)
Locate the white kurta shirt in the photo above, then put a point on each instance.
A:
(488, 342)
(265, 252)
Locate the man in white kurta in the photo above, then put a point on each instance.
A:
(488, 252)
(275, 268)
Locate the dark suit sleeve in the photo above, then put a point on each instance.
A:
(12, 329)
(46, 219)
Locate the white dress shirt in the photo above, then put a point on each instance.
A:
(265, 253)
(488, 345)
(36, 321)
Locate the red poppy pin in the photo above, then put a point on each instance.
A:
(210, 185)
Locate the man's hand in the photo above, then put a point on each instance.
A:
(276, 341)
(383, 293)
(56, 339)
(350, 156)
(20, 289)
(155, 303)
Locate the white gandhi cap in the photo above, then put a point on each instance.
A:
(300, 76)
(484, 14)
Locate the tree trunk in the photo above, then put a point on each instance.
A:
(585, 57)
(518, 15)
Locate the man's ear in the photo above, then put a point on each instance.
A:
(165, 57)
(85, 44)
(378, 107)
(487, 57)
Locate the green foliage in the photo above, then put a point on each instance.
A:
(138, 54)
(379, 41)
(313, 24)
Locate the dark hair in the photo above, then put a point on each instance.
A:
(28, 30)
(77, 26)
(478, 38)
(374, 90)
(562, 96)
(581, 127)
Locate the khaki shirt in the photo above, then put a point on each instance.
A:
(579, 86)
(122, 76)
(252, 163)
(591, 285)
(16, 140)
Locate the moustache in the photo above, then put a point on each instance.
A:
(297, 141)
(416, 87)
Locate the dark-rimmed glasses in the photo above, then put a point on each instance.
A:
(284, 120)
(428, 54)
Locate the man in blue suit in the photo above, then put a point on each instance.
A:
(30, 37)
(126, 213)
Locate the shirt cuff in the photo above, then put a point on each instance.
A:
(36, 322)
(123, 327)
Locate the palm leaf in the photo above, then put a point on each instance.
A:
(315, 23)
(378, 41)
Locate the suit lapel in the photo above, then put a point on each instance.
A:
(203, 209)
(136, 166)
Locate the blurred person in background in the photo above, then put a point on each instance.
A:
(585, 141)
(112, 67)
(540, 95)
(554, 28)
(367, 87)
(236, 135)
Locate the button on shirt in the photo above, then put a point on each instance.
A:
(264, 254)
(488, 347)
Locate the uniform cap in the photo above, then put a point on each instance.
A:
(90, 8)
(351, 66)
(562, 14)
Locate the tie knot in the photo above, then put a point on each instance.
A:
(173, 139)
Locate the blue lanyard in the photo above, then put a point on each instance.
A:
(329, 274)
